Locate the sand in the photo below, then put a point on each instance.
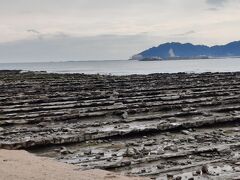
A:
(21, 165)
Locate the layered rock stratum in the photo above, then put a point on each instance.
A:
(161, 126)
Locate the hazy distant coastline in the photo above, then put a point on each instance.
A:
(130, 67)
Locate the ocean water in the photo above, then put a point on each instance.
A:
(126, 67)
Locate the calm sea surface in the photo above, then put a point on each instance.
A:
(130, 67)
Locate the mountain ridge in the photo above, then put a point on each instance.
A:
(189, 50)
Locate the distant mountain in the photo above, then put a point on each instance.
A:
(176, 50)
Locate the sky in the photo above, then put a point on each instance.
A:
(74, 30)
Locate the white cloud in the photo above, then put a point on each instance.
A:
(64, 48)
(217, 2)
(152, 21)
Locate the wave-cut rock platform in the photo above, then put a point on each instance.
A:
(161, 126)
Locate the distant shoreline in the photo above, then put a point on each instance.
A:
(185, 58)
(129, 67)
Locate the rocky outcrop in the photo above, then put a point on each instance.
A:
(159, 125)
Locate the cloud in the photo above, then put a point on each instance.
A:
(40, 29)
(221, 3)
(186, 33)
(40, 35)
(213, 9)
(35, 33)
(217, 2)
(65, 47)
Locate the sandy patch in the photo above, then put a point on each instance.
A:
(21, 165)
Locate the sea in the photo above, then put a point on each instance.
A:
(127, 67)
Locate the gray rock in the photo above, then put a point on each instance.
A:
(171, 148)
(196, 173)
(129, 152)
(160, 151)
(205, 170)
(185, 132)
(178, 178)
(160, 166)
(88, 152)
(125, 115)
(98, 156)
(65, 151)
(170, 176)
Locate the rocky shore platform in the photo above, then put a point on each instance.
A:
(159, 126)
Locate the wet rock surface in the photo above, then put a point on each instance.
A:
(162, 126)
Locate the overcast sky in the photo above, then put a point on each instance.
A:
(58, 30)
